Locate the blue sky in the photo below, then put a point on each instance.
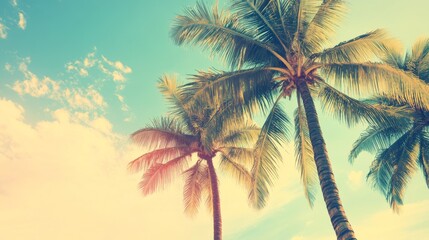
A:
(76, 77)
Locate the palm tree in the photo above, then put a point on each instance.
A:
(197, 129)
(276, 49)
(403, 145)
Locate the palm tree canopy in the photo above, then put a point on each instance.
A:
(192, 129)
(272, 46)
(402, 145)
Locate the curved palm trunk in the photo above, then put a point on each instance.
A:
(341, 224)
(217, 219)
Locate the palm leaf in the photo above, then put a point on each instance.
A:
(424, 157)
(221, 32)
(304, 154)
(245, 88)
(240, 134)
(323, 25)
(352, 111)
(360, 78)
(207, 187)
(363, 48)
(273, 134)
(237, 170)
(258, 14)
(192, 189)
(162, 132)
(157, 156)
(376, 138)
(168, 86)
(161, 174)
(393, 167)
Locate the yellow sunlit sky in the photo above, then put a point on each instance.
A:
(78, 76)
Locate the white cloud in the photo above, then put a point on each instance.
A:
(3, 31)
(22, 23)
(89, 99)
(83, 72)
(77, 97)
(120, 66)
(102, 124)
(117, 65)
(117, 76)
(36, 87)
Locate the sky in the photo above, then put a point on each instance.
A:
(77, 77)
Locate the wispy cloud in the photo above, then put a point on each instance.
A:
(11, 20)
(22, 23)
(8, 67)
(3, 30)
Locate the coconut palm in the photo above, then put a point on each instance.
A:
(198, 129)
(278, 49)
(403, 145)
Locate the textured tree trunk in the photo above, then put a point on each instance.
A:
(341, 224)
(217, 219)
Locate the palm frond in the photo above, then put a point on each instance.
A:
(206, 187)
(240, 134)
(424, 157)
(242, 155)
(160, 133)
(323, 25)
(393, 56)
(370, 78)
(404, 168)
(157, 156)
(237, 170)
(245, 88)
(273, 134)
(304, 154)
(260, 15)
(168, 86)
(222, 34)
(352, 111)
(376, 138)
(161, 174)
(393, 167)
(192, 189)
(363, 48)
(419, 59)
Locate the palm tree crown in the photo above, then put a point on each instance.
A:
(198, 129)
(402, 145)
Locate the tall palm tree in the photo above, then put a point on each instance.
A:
(402, 146)
(276, 49)
(199, 129)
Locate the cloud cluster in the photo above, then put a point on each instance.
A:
(77, 98)
(21, 21)
(85, 83)
(113, 70)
